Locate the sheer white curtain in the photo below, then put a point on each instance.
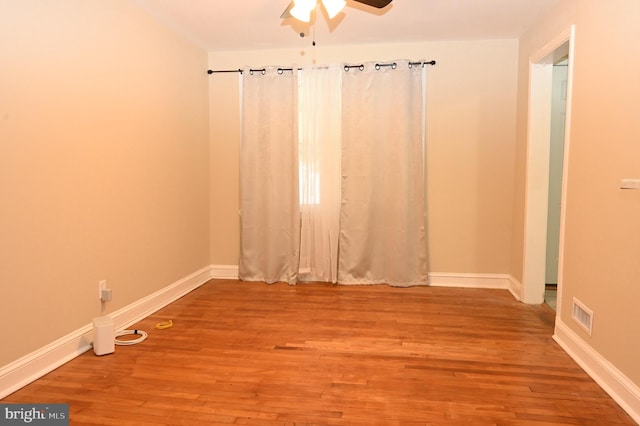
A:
(319, 154)
(382, 220)
(269, 204)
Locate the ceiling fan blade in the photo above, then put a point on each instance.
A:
(375, 3)
(287, 12)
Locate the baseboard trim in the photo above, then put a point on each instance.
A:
(225, 272)
(146, 306)
(440, 279)
(32, 366)
(516, 288)
(613, 381)
(497, 281)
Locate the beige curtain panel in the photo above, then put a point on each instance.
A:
(332, 175)
(382, 220)
(269, 201)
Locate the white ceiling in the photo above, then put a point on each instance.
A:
(256, 24)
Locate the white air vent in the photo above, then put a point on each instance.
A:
(582, 315)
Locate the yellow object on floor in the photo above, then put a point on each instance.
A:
(164, 325)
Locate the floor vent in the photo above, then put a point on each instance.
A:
(582, 315)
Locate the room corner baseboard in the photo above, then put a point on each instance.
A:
(613, 381)
(25, 370)
(228, 272)
(516, 288)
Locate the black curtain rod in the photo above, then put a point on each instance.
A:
(346, 68)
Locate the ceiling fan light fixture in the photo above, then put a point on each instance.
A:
(302, 9)
(333, 7)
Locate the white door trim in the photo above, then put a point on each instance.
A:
(537, 167)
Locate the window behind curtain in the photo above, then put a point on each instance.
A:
(320, 133)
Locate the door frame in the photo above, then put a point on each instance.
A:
(537, 166)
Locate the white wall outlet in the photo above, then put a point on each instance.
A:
(630, 184)
(102, 285)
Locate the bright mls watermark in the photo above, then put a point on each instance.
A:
(34, 414)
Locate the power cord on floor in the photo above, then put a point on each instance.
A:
(143, 335)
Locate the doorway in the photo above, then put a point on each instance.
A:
(556, 160)
(544, 216)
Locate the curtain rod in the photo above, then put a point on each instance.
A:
(346, 67)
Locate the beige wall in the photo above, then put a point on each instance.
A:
(602, 235)
(603, 227)
(103, 164)
(471, 131)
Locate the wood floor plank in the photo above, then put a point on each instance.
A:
(257, 354)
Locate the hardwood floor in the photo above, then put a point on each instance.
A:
(257, 354)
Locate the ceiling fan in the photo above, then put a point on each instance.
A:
(301, 9)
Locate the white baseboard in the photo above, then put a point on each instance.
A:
(516, 288)
(440, 279)
(225, 272)
(146, 306)
(25, 370)
(613, 381)
(500, 281)
(32, 366)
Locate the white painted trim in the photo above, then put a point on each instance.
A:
(613, 381)
(516, 289)
(32, 366)
(537, 182)
(497, 281)
(225, 272)
(542, 54)
(442, 279)
(537, 166)
(565, 168)
(146, 306)
(438, 279)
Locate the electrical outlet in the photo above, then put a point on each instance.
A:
(102, 285)
(630, 184)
